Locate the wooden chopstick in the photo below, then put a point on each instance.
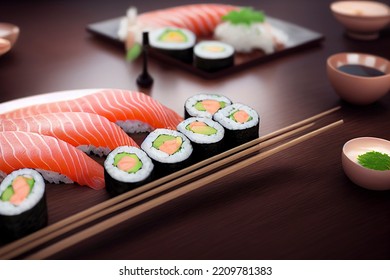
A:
(128, 214)
(33, 240)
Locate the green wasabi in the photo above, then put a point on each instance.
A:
(375, 160)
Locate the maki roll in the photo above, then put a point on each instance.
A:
(23, 207)
(241, 124)
(126, 168)
(170, 151)
(212, 56)
(204, 105)
(173, 41)
(205, 135)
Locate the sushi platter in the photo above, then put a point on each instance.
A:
(84, 138)
(165, 159)
(263, 199)
(298, 37)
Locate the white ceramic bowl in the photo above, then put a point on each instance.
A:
(9, 32)
(362, 19)
(362, 176)
(357, 89)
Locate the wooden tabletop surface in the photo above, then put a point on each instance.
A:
(297, 204)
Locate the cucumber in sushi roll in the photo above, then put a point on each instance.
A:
(23, 207)
(241, 124)
(212, 56)
(204, 105)
(205, 135)
(170, 150)
(173, 41)
(126, 168)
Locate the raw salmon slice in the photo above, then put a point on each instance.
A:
(201, 19)
(30, 150)
(118, 106)
(86, 131)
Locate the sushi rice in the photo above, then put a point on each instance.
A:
(92, 149)
(223, 117)
(160, 156)
(123, 176)
(156, 42)
(54, 177)
(201, 50)
(191, 102)
(134, 126)
(198, 137)
(246, 38)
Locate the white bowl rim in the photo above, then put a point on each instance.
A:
(350, 75)
(10, 28)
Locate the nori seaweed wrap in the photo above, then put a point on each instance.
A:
(170, 151)
(241, 124)
(175, 42)
(23, 208)
(213, 56)
(206, 136)
(126, 168)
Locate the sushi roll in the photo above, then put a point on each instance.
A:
(212, 56)
(170, 151)
(173, 41)
(241, 124)
(23, 207)
(126, 168)
(204, 105)
(205, 135)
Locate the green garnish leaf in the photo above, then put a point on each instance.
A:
(244, 16)
(375, 160)
(133, 52)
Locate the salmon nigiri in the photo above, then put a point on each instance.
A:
(58, 160)
(87, 132)
(201, 19)
(133, 111)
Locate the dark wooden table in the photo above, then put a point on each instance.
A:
(298, 204)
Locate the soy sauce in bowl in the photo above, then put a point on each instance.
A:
(360, 70)
(359, 78)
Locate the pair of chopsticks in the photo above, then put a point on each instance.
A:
(32, 241)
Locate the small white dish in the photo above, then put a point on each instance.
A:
(360, 175)
(362, 19)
